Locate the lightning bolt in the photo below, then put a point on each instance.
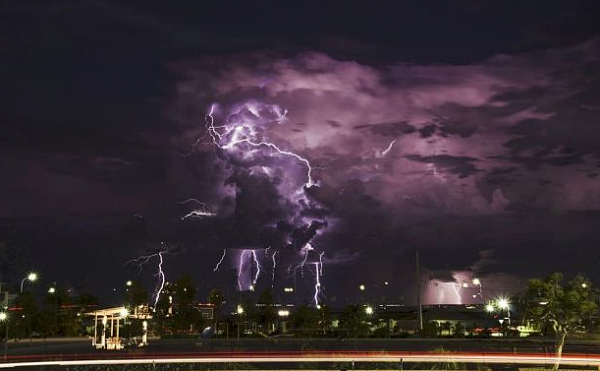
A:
(306, 249)
(240, 134)
(220, 260)
(240, 267)
(257, 267)
(318, 274)
(458, 297)
(160, 274)
(388, 149)
(243, 133)
(274, 267)
(200, 212)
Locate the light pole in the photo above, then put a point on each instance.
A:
(240, 311)
(31, 277)
(4, 318)
(504, 304)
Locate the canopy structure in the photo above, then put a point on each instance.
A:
(109, 320)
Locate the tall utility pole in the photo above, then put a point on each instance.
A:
(419, 305)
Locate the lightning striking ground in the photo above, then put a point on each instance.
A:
(257, 268)
(242, 135)
(160, 274)
(458, 297)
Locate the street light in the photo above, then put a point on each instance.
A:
(490, 308)
(369, 310)
(129, 283)
(504, 303)
(51, 290)
(31, 277)
(4, 318)
(361, 287)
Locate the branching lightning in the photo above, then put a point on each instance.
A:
(160, 274)
(242, 134)
(233, 135)
(200, 212)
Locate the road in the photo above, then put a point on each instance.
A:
(335, 360)
(514, 346)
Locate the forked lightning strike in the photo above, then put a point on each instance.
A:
(200, 212)
(160, 274)
(237, 135)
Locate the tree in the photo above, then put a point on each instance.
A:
(266, 311)
(354, 318)
(136, 294)
(216, 299)
(305, 321)
(564, 307)
(24, 318)
(59, 316)
(185, 316)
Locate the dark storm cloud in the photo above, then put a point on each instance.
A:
(484, 140)
(493, 109)
(388, 129)
(461, 166)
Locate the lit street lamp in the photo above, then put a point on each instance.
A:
(31, 277)
(361, 287)
(504, 304)
(4, 318)
(490, 308)
(369, 310)
(240, 311)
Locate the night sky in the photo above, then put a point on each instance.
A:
(469, 130)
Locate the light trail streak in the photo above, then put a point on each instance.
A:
(327, 357)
